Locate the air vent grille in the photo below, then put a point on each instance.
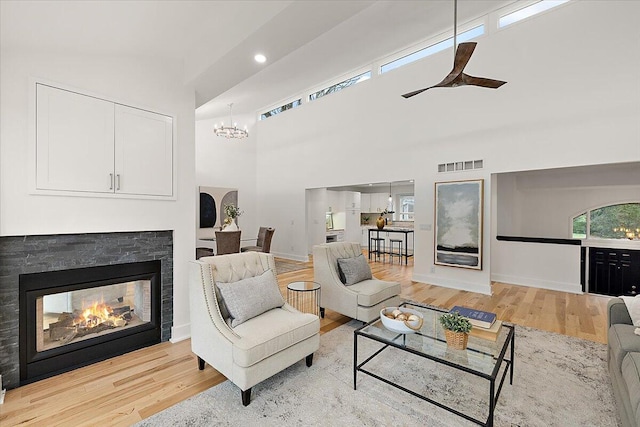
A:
(460, 166)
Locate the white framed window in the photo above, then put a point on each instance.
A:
(339, 86)
(430, 50)
(285, 107)
(619, 221)
(406, 203)
(528, 11)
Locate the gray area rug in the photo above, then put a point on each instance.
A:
(558, 381)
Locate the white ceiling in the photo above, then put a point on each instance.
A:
(306, 42)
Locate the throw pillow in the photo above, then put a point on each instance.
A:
(353, 270)
(248, 298)
(633, 307)
(223, 307)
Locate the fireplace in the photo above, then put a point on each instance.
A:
(74, 317)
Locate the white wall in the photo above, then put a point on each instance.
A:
(547, 266)
(139, 82)
(543, 203)
(230, 163)
(573, 98)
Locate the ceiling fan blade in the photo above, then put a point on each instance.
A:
(481, 81)
(463, 54)
(415, 92)
(453, 79)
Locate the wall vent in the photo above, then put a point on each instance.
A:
(460, 166)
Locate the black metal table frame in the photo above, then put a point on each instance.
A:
(297, 293)
(406, 241)
(493, 393)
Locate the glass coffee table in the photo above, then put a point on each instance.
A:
(482, 358)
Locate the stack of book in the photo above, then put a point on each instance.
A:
(485, 325)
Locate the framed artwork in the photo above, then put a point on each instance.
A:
(211, 209)
(458, 223)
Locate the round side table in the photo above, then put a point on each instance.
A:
(304, 296)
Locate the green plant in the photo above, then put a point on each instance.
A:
(455, 322)
(232, 211)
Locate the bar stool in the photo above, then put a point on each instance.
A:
(392, 253)
(378, 244)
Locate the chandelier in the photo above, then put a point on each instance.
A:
(231, 131)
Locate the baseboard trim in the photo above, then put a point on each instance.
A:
(180, 333)
(446, 282)
(290, 256)
(574, 288)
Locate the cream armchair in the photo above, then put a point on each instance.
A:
(256, 349)
(363, 300)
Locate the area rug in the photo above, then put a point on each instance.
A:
(558, 381)
(287, 266)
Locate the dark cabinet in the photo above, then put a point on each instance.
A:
(614, 272)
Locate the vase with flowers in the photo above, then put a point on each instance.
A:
(231, 212)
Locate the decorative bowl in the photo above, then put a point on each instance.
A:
(401, 326)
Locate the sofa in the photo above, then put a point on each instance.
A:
(362, 300)
(623, 355)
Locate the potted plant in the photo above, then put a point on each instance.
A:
(456, 330)
(231, 212)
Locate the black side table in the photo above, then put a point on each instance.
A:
(304, 296)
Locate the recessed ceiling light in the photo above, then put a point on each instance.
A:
(260, 58)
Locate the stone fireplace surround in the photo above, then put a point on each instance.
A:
(32, 254)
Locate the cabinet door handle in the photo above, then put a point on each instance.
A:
(110, 181)
(118, 182)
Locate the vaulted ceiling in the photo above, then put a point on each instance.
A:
(306, 42)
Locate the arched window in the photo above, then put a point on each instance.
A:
(621, 221)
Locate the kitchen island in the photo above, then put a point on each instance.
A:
(405, 231)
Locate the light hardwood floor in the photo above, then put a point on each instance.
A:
(126, 389)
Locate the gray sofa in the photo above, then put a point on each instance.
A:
(624, 362)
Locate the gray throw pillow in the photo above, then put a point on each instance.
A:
(248, 298)
(223, 307)
(353, 270)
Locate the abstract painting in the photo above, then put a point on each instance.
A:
(458, 223)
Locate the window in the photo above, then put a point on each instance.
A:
(445, 44)
(580, 226)
(279, 110)
(406, 208)
(339, 86)
(528, 11)
(621, 221)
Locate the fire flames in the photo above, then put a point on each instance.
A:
(97, 314)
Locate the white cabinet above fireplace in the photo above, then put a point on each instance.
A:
(90, 146)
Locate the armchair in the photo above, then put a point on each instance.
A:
(361, 301)
(258, 348)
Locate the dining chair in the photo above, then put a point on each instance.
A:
(227, 242)
(263, 243)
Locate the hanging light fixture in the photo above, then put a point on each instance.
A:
(231, 131)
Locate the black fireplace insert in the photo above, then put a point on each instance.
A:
(75, 317)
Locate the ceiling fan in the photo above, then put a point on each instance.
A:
(457, 77)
